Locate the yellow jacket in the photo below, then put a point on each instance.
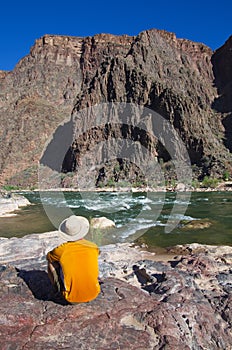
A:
(79, 264)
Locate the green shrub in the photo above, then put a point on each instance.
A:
(139, 184)
(209, 182)
(173, 183)
(124, 184)
(226, 176)
(195, 184)
(117, 168)
(110, 183)
(10, 188)
(100, 185)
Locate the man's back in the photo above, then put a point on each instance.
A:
(79, 264)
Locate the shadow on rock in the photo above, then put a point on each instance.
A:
(40, 286)
(142, 276)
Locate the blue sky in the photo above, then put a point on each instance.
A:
(22, 22)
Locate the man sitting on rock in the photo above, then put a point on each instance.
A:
(73, 266)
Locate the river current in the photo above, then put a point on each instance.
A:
(143, 216)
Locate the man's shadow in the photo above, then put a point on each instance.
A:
(40, 286)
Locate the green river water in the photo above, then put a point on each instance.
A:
(140, 216)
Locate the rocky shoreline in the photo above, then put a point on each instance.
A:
(147, 302)
(10, 202)
(180, 187)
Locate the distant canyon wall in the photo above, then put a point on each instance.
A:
(184, 82)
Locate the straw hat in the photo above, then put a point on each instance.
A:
(74, 228)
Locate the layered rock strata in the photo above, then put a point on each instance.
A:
(185, 82)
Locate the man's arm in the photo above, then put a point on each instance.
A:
(55, 254)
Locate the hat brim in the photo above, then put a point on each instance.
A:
(82, 230)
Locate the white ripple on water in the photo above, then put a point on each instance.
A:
(134, 226)
(114, 204)
(146, 207)
(53, 202)
(202, 199)
(106, 207)
(179, 217)
(106, 203)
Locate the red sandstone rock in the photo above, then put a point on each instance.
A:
(186, 304)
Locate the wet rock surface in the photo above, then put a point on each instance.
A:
(10, 202)
(195, 224)
(181, 303)
(102, 222)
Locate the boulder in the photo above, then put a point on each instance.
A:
(102, 223)
(32, 317)
(11, 202)
(180, 187)
(195, 224)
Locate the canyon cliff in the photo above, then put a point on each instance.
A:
(184, 82)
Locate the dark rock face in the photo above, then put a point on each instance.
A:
(222, 68)
(184, 304)
(35, 98)
(63, 75)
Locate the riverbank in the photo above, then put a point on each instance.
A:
(10, 202)
(180, 187)
(146, 302)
